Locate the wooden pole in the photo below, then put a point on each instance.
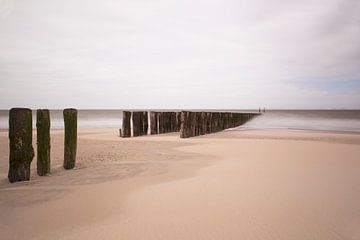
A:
(185, 124)
(153, 123)
(126, 126)
(70, 120)
(20, 142)
(137, 124)
(145, 123)
(43, 141)
(178, 121)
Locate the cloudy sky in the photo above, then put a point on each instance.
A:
(180, 54)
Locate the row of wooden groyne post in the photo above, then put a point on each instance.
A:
(160, 122)
(20, 142)
(201, 123)
(188, 123)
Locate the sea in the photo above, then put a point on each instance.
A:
(326, 120)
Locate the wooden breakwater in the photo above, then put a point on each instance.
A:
(188, 123)
(158, 122)
(201, 123)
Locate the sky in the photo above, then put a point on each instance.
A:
(180, 54)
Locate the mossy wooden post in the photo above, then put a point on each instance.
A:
(43, 141)
(20, 142)
(70, 120)
(126, 127)
(153, 123)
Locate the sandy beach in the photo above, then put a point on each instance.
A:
(249, 184)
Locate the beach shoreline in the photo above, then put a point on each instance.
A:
(227, 185)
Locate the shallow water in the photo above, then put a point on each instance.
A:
(333, 120)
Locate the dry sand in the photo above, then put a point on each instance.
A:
(256, 184)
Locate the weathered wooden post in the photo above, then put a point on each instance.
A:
(197, 124)
(43, 141)
(20, 142)
(193, 124)
(208, 122)
(70, 120)
(213, 122)
(145, 123)
(221, 122)
(185, 124)
(153, 123)
(167, 121)
(141, 124)
(126, 126)
(160, 122)
(137, 124)
(203, 123)
(172, 122)
(178, 121)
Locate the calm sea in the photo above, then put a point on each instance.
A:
(334, 120)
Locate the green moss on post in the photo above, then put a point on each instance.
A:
(43, 141)
(70, 120)
(20, 143)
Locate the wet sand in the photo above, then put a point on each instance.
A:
(254, 184)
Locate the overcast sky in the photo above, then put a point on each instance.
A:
(180, 54)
